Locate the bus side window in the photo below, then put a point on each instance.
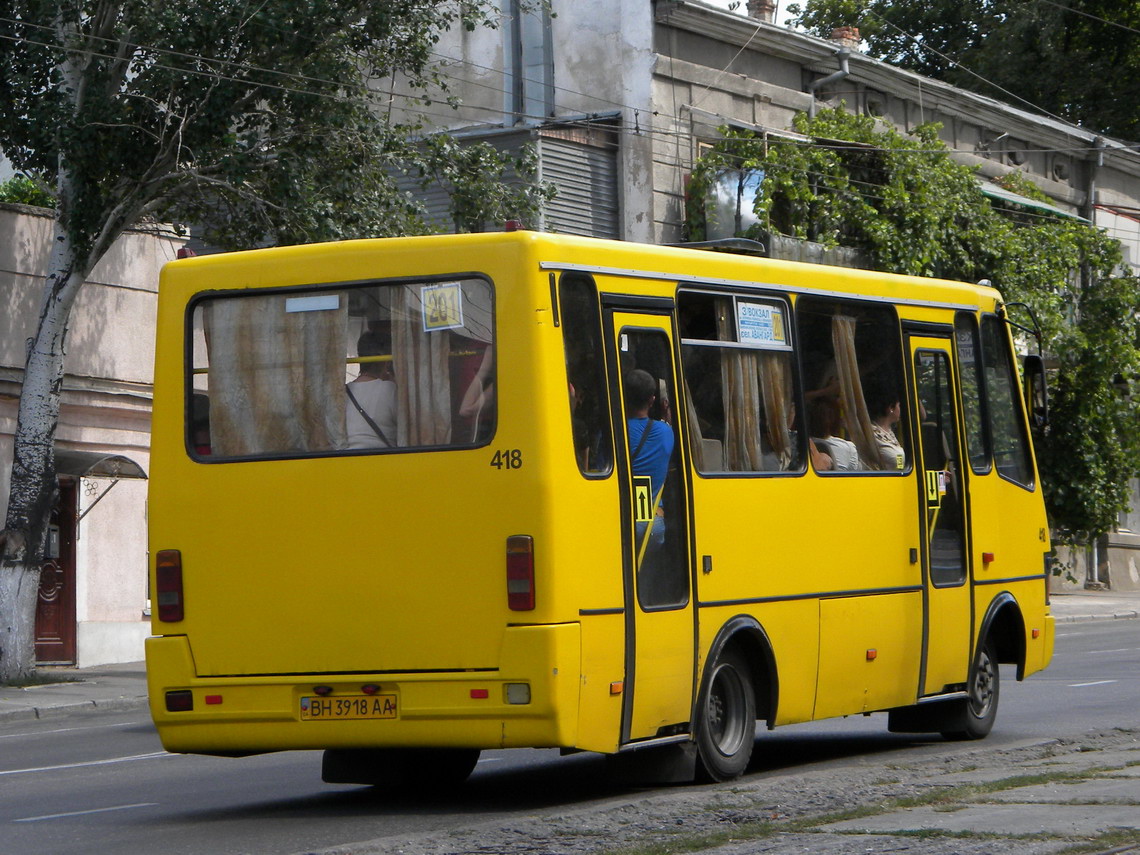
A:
(739, 372)
(853, 369)
(585, 374)
(972, 383)
(1007, 429)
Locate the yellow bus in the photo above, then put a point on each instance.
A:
(413, 498)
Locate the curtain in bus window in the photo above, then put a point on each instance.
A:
(421, 357)
(856, 417)
(740, 381)
(776, 386)
(276, 373)
(693, 428)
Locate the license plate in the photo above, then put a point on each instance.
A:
(348, 707)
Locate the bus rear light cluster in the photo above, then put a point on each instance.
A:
(168, 585)
(520, 572)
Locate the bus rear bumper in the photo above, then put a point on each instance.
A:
(531, 700)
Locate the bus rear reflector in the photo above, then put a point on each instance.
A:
(520, 572)
(168, 584)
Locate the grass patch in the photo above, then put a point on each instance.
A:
(931, 833)
(1118, 840)
(701, 842)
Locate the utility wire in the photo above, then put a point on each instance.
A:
(376, 97)
(1084, 14)
(959, 65)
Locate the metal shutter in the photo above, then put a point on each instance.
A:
(586, 179)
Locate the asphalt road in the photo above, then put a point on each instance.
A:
(101, 782)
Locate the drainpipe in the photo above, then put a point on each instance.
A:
(1088, 211)
(831, 78)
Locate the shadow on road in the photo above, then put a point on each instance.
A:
(534, 780)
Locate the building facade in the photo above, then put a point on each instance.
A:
(94, 606)
(620, 96)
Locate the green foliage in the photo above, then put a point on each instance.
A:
(910, 209)
(1079, 59)
(23, 190)
(505, 187)
(264, 123)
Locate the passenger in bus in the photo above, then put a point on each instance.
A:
(578, 430)
(826, 425)
(479, 398)
(651, 445)
(370, 411)
(200, 424)
(883, 404)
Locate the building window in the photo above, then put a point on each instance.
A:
(530, 84)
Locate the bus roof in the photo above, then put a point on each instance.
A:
(555, 252)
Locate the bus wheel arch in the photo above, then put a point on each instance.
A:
(1001, 639)
(1004, 627)
(738, 685)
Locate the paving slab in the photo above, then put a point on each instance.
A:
(1006, 820)
(1121, 791)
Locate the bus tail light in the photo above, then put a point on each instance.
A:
(520, 572)
(168, 582)
(180, 700)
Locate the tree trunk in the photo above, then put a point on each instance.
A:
(33, 490)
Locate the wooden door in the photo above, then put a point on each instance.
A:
(55, 608)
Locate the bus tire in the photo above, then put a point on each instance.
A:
(726, 722)
(414, 769)
(976, 714)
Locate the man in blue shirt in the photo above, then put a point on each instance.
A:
(651, 446)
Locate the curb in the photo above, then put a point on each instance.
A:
(1083, 618)
(80, 707)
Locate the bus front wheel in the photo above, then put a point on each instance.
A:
(976, 714)
(726, 726)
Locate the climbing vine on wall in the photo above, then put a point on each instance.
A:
(908, 207)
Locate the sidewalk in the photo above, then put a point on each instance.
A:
(1079, 605)
(108, 688)
(111, 688)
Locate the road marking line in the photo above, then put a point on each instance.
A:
(60, 730)
(1117, 650)
(1094, 683)
(88, 763)
(84, 812)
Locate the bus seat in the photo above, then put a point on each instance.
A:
(712, 455)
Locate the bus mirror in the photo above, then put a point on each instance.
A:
(1036, 392)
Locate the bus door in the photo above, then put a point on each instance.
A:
(660, 655)
(947, 595)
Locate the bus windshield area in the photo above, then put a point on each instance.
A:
(342, 369)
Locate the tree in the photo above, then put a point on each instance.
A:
(265, 122)
(910, 209)
(1076, 59)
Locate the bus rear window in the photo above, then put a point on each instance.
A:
(353, 369)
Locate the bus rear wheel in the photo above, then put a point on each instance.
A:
(726, 723)
(417, 769)
(977, 713)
